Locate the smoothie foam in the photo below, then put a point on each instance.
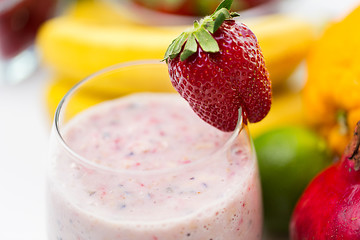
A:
(153, 170)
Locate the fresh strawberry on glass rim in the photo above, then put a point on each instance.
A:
(218, 67)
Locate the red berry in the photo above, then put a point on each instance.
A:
(253, 3)
(193, 7)
(217, 84)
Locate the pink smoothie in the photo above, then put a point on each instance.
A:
(145, 167)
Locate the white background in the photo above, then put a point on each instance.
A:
(24, 134)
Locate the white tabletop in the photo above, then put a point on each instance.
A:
(24, 132)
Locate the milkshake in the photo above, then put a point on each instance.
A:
(146, 167)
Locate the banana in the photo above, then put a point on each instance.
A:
(115, 83)
(286, 109)
(285, 42)
(56, 90)
(77, 49)
(99, 12)
(84, 41)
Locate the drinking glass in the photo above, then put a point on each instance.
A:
(129, 159)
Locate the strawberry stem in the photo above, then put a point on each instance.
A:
(200, 34)
(353, 148)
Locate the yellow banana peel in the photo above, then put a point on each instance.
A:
(92, 36)
(286, 109)
(285, 42)
(77, 49)
(99, 12)
(114, 12)
(56, 90)
(116, 82)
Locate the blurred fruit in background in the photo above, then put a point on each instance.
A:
(331, 93)
(194, 7)
(93, 92)
(285, 42)
(93, 35)
(289, 157)
(287, 109)
(19, 23)
(78, 43)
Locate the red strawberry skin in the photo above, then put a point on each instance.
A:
(217, 84)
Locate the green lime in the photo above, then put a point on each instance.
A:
(289, 157)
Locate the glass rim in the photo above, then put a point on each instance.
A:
(62, 104)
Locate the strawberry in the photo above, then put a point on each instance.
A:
(218, 67)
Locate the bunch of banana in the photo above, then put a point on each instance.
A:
(93, 35)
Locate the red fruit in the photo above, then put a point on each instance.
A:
(194, 7)
(226, 72)
(19, 23)
(330, 206)
(253, 3)
(181, 7)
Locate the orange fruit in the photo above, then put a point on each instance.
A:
(331, 93)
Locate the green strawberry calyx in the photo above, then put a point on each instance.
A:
(200, 34)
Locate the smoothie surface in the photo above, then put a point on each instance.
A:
(143, 132)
